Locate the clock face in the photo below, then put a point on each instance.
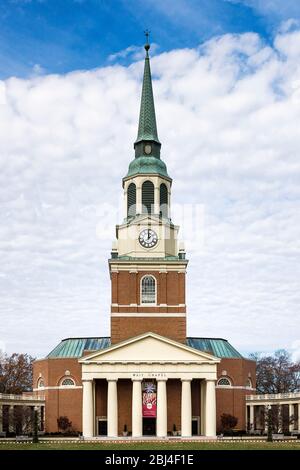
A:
(148, 238)
(148, 149)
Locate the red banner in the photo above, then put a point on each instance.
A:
(149, 400)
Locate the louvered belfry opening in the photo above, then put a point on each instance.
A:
(163, 200)
(131, 200)
(148, 197)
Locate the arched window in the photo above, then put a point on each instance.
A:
(131, 200)
(163, 200)
(147, 197)
(40, 383)
(224, 382)
(67, 382)
(148, 290)
(249, 383)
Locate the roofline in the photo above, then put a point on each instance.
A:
(206, 337)
(85, 337)
(209, 356)
(100, 337)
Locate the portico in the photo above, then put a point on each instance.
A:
(165, 363)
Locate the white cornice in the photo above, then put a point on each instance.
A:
(151, 314)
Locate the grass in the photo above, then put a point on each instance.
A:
(152, 446)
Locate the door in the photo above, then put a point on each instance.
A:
(149, 426)
(102, 427)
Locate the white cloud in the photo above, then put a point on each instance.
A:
(295, 349)
(228, 117)
(132, 52)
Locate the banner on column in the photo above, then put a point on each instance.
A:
(149, 400)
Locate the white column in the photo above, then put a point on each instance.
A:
(210, 409)
(156, 198)
(291, 414)
(43, 418)
(87, 409)
(112, 409)
(1, 418)
(280, 418)
(161, 420)
(202, 405)
(38, 415)
(137, 416)
(251, 418)
(266, 417)
(186, 408)
(138, 197)
(11, 418)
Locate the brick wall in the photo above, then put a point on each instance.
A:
(125, 288)
(60, 402)
(127, 327)
(232, 400)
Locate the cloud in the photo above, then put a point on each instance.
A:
(132, 52)
(296, 351)
(228, 118)
(283, 10)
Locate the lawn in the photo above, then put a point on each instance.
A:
(295, 445)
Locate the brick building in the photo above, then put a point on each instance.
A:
(148, 377)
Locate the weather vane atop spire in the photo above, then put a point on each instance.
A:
(147, 45)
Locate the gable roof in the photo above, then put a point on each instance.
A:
(149, 347)
(74, 347)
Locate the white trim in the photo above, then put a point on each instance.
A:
(250, 381)
(141, 293)
(144, 305)
(68, 377)
(224, 377)
(238, 387)
(58, 387)
(150, 314)
(39, 380)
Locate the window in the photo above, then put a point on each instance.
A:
(148, 290)
(249, 383)
(163, 200)
(224, 382)
(41, 383)
(68, 382)
(131, 200)
(147, 197)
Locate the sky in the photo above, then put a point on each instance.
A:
(226, 79)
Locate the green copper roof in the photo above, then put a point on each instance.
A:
(147, 164)
(74, 347)
(147, 121)
(216, 346)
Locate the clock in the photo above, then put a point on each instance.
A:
(148, 149)
(148, 238)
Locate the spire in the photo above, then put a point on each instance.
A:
(147, 121)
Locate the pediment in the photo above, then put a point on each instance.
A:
(150, 347)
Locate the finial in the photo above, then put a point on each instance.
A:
(147, 45)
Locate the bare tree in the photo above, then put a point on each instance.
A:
(15, 373)
(276, 374)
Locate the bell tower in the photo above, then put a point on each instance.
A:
(147, 267)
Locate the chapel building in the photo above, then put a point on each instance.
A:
(148, 377)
